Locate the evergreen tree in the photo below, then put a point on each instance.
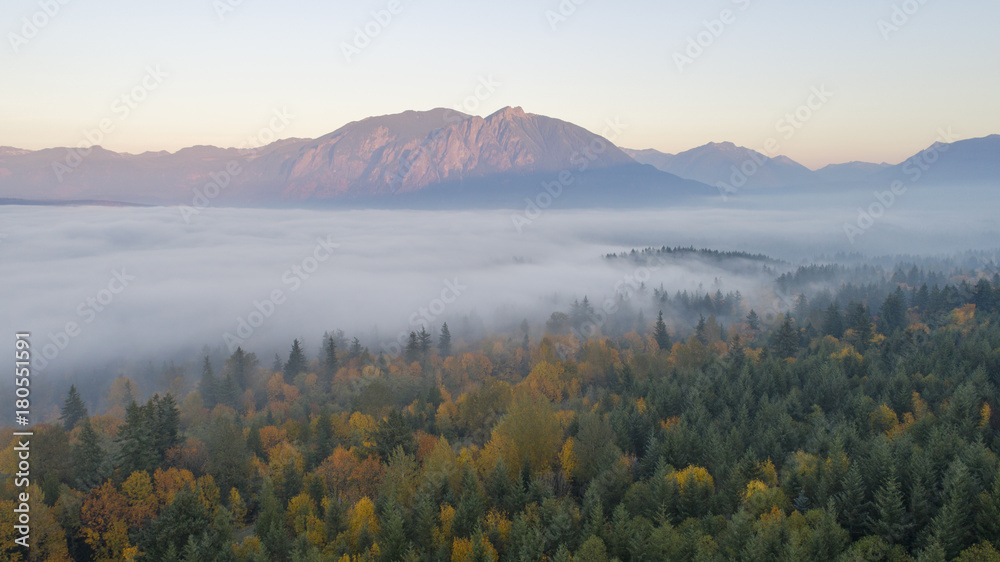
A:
(953, 525)
(699, 331)
(88, 459)
(852, 504)
(802, 310)
(753, 321)
(73, 409)
(833, 322)
(330, 364)
(135, 440)
(240, 366)
(785, 341)
(660, 333)
(858, 320)
(296, 362)
(355, 350)
(890, 521)
(425, 341)
(209, 387)
(412, 352)
(893, 313)
(444, 341)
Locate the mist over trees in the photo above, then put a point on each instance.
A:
(847, 412)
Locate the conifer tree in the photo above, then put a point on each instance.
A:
(444, 341)
(209, 387)
(660, 333)
(73, 409)
(88, 458)
(330, 363)
(296, 362)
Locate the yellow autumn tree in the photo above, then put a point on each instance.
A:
(362, 524)
(529, 434)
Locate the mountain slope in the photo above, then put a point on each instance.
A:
(393, 156)
(727, 163)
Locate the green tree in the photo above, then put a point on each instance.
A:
(893, 312)
(833, 322)
(209, 387)
(73, 409)
(88, 459)
(239, 367)
(890, 521)
(296, 362)
(785, 340)
(660, 333)
(329, 363)
(184, 519)
(444, 341)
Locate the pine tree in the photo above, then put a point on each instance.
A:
(412, 352)
(296, 362)
(753, 321)
(893, 312)
(73, 409)
(699, 331)
(355, 350)
(851, 503)
(209, 387)
(240, 366)
(833, 322)
(858, 320)
(425, 341)
(88, 459)
(660, 333)
(890, 521)
(330, 364)
(953, 524)
(444, 341)
(785, 341)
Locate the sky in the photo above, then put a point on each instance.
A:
(830, 82)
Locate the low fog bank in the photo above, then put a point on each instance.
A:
(104, 286)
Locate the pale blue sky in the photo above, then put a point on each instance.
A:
(608, 60)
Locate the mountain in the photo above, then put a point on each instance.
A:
(409, 158)
(849, 172)
(724, 162)
(970, 162)
(655, 158)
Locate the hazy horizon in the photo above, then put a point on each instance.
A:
(680, 75)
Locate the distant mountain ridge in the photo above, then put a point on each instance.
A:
(386, 158)
(971, 160)
(444, 158)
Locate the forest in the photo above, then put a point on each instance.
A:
(858, 422)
